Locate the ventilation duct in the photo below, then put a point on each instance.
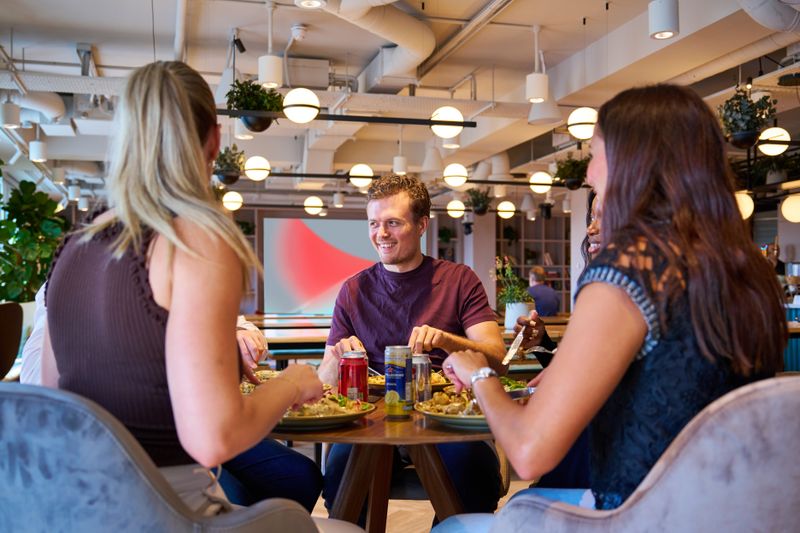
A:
(773, 14)
(50, 105)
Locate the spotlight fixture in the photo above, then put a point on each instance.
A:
(455, 175)
(540, 182)
(323, 212)
(499, 191)
(257, 168)
(400, 163)
(790, 208)
(270, 66)
(745, 203)
(506, 209)
(452, 144)
(313, 205)
(37, 150)
(83, 203)
(58, 175)
(232, 200)
(773, 134)
(239, 45)
(530, 215)
(527, 203)
(361, 175)
(9, 115)
(455, 208)
(451, 114)
(300, 105)
(566, 206)
(581, 121)
(310, 4)
(338, 199)
(663, 19)
(536, 83)
(432, 166)
(74, 192)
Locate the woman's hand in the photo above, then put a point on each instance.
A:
(304, 378)
(534, 330)
(252, 346)
(459, 366)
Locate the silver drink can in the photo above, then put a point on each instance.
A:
(422, 376)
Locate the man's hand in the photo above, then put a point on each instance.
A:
(252, 346)
(425, 338)
(350, 344)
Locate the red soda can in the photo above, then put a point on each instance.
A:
(353, 376)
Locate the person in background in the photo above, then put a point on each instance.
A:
(431, 305)
(547, 300)
(658, 330)
(773, 256)
(170, 266)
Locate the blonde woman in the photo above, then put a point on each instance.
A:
(142, 303)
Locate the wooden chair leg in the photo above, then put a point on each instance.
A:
(505, 468)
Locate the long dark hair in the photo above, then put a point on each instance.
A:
(669, 182)
(585, 241)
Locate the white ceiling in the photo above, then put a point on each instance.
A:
(587, 64)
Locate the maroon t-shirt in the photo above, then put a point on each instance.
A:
(382, 307)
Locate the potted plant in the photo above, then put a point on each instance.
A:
(29, 236)
(743, 119)
(513, 292)
(478, 200)
(571, 171)
(229, 164)
(250, 96)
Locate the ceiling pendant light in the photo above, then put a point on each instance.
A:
(232, 200)
(536, 83)
(9, 115)
(527, 203)
(241, 132)
(773, 134)
(566, 206)
(540, 182)
(310, 4)
(790, 208)
(545, 113)
(361, 175)
(530, 215)
(62, 204)
(400, 163)
(37, 150)
(506, 209)
(313, 205)
(456, 208)
(83, 203)
(452, 144)
(450, 114)
(745, 203)
(300, 105)
(59, 175)
(455, 175)
(338, 199)
(323, 212)
(270, 66)
(663, 19)
(257, 168)
(432, 165)
(581, 121)
(74, 192)
(499, 191)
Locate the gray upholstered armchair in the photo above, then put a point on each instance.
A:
(733, 468)
(66, 464)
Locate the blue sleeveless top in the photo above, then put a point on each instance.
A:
(666, 385)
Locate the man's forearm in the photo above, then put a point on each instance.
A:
(493, 350)
(329, 368)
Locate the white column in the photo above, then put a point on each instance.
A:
(577, 231)
(479, 252)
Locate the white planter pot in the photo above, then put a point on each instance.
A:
(516, 310)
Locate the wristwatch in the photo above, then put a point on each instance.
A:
(482, 373)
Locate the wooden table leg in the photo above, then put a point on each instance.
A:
(379, 488)
(436, 480)
(354, 485)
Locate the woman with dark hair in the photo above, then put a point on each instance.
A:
(658, 329)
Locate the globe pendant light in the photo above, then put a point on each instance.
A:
(745, 203)
(232, 200)
(448, 113)
(455, 175)
(455, 208)
(361, 175)
(257, 168)
(300, 105)
(313, 205)
(506, 209)
(581, 121)
(540, 182)
(773, 134)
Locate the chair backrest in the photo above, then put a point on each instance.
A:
(10, 335)
(733, 468)
(66, 464)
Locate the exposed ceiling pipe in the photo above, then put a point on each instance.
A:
(50, 105)
(9, 61)
(772, 14)
(742, 55)
(414, 39)
(476, 23)
(180, 30)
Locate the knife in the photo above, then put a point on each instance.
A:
(512, 351)
(520, 394)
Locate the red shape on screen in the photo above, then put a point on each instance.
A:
(309, 264)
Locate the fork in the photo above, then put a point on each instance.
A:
(373, 371)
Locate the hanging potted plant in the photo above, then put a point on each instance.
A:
(743, 119)
(571, 171)
(478, 200)
(229, 164)
(513, 293)
(250, 96)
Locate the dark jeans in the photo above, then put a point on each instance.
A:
(271, 470)
(472, 467)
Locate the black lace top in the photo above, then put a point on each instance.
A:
(667, 384)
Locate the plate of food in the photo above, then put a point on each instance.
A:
(377, 383)
(332, 410)
(508, 384)
(265, 375)
(454, 410)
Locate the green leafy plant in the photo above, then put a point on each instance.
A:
(250, 96)
(739, 113)
(28, 239)
(445, 234)
(512, 288)
(572, 171)
(478, 200)
(229, 159)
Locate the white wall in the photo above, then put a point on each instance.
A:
(788, 239)
(479, 250)
(577, 230)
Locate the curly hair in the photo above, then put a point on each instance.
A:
(391, 184)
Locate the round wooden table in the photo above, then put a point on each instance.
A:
(369, 468)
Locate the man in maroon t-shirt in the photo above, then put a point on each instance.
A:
(434, 306)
